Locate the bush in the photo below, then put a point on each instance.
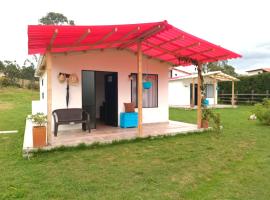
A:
(33, 85)
(262, 111)
(208, 114)
(258, 83)
(5, 82)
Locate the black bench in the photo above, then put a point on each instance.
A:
(70, 116)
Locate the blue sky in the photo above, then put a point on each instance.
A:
(239, 25)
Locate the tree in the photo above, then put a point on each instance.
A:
(12, 72)
(53, 18)
(2, 66)
(221, 66)
(27, 73)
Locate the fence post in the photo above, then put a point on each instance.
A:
(267, 93)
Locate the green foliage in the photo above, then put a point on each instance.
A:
(206, 114)
(13, 72)
(2, 66)
(258, 83)
(53, 18)
(262, 111)
(6, 82)
(221, 66)
(27, 72)
(39, 119)
(32, 85)
(209, 115)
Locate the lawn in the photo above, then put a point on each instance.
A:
(234, 165)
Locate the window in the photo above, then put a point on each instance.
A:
(42, 95)
(150, 96)
(209, 91)
(41, 82)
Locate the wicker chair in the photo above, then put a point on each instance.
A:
(70, 116)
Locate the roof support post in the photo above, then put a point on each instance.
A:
(199, 91)
(49, 96)
(140, 89)
(215, 91)
(232, 93)
(193, 94)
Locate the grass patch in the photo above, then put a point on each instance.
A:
(235, 165)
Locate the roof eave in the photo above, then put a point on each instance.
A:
(40, 66)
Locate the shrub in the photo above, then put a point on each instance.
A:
(258, 83)
(39, 119)
(208, 114)
(5, 82)
(262, 111)
(33, 85)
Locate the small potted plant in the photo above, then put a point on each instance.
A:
(206, 114)
(39, 129)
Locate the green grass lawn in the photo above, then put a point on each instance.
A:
(235, 165)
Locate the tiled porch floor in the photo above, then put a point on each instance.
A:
(108, 134)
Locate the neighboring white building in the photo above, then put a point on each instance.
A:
(182, 94)
(253, 72)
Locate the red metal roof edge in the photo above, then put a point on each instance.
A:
(227, 53)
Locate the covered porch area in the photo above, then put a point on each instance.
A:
(159, 41)
(107, 134)
(211, 93)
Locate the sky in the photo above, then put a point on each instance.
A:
(238, 25)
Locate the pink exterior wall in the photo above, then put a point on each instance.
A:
(122, 62)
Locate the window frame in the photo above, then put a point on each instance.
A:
(208, 85)
(131, 94)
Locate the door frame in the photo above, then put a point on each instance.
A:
(95, 124)
(116, 113)
(196, 94)
(117, 100)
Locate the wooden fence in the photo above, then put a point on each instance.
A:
(250, 98)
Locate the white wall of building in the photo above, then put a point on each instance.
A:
(254, 72)
(176, 73)
(179, 93)
(122, 62)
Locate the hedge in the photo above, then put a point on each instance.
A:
(258, 83)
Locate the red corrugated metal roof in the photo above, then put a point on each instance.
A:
(160, 40)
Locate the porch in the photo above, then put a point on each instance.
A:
(107, 134)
